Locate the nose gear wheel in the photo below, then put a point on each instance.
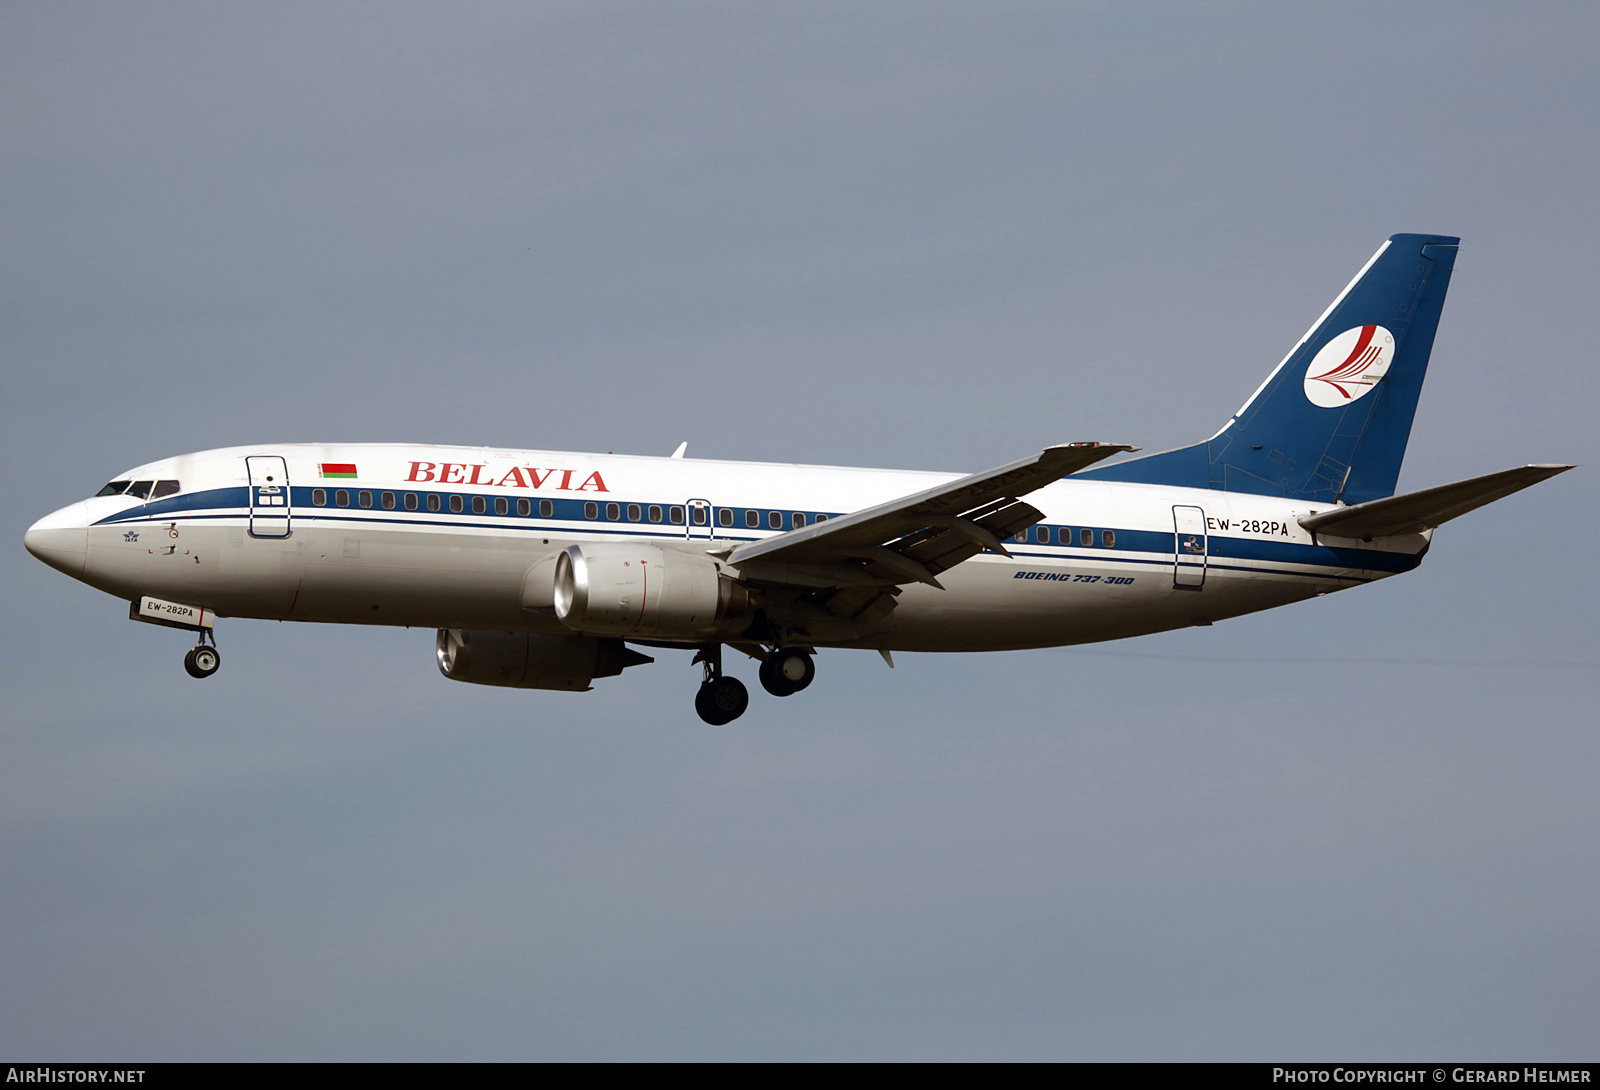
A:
(202, 661)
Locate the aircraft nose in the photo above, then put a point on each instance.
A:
(61, 539)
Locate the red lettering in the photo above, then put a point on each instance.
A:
(474, 479)
(566, 480)
(599, 485)
(451, 473)
(420, 474)
(538, 481)
(514, 479)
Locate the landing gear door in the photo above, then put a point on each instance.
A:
(1189, 547)
(697, 526)
(269, 496)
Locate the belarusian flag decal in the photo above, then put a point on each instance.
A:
(338, 469)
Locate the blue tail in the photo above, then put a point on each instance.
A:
(1331, 423)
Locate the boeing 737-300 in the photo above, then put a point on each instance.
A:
(548, 570)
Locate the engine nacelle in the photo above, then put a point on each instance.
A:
(530, 660)
(644, 590)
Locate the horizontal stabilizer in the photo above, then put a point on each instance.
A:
(1415, 512)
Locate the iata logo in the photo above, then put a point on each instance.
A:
(1349, 366)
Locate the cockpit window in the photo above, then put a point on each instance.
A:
(141, 489)
(115, 488)
(164, 488)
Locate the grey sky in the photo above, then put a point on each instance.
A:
(929, 236)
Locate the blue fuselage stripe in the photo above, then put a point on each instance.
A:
(568, 516)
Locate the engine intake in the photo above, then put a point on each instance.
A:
(645, 590)
(531, 660)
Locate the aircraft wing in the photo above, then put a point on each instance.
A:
(914, 538)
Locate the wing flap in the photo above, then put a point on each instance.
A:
(914, 538)
(941, 547)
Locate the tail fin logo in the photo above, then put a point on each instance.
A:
(1349, 366)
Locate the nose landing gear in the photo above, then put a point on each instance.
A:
(202, 661)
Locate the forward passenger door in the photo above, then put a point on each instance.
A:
(269, 496)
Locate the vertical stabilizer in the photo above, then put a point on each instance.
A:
(1332, 421)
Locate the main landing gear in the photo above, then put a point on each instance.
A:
(202, 661)
(722, 699)
(786, 671)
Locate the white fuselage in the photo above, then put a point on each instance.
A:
(436, 537)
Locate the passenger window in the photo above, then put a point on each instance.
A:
(775, 519)
(411, 501)
(1064, 536)
(341, 497)
(1022, 536)
(115, 488)
(752, 519)
(478, 505)
(388, 501)
(364, 498)
(675, 515)
(799, 519)
(725, 516)
(1086, 537)
(546, 508)
(1108, 538)
(655, 512)
(613, 512)
(140, 489)
(501, 507)
(319, 496)
(822, 518)
(433, 502)
(456, 504)
(524, 508)
(590, 510)
(1042, 535)
(164, 488)
(633, 512)
(697, 515)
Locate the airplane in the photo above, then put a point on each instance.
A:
(549, 570)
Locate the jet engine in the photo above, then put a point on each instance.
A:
(530, 660)
(645, 590)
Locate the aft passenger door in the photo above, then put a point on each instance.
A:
(269, 496)
(1189, 547)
